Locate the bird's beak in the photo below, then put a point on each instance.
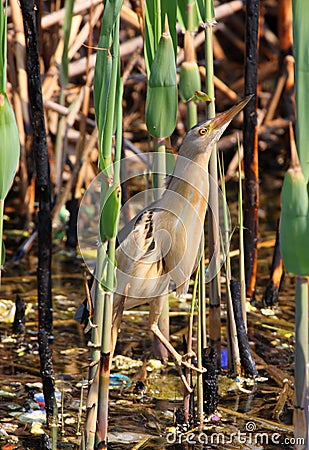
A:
(227, 116)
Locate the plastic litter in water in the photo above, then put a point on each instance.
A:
(224, 359)
(39, 398)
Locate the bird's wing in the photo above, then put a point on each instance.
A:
(180, 231)
(140, 264)
(129, 227)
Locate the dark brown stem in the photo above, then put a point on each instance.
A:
(246, 357)
(251, 147)
(40, 151)
(270, 297)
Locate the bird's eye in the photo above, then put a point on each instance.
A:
(204, 131)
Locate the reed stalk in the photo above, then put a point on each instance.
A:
(110, 276)
(63, 81)
(161, 110)
(213, 210)
(295, 220)
(190, 83)
(159, 174)
(2, 250)
(241, 242)
(250, 142)
(40, 151)
(108, 109)
(201, 333)
(233, 347)
(10, 146)
(187, 395)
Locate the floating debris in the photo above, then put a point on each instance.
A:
(119, 381)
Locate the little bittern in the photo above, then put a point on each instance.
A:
(162, 243)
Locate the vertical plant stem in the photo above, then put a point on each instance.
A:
(159, 170)
(59, 150)
(187, 396)
(301, 359)
(1, 234)
(243, 341)
(285, 27)
(301, 338)
(106, 344)
(63, 81)
(213, 209)
(191, 113)
(241, 243)
(232, 341)
(108, 110)
(162, 85)
(96, 339)
(271, 294)
(202, 296)
(201, 332)
(159, 167)
(157, 22)
(192, 85)
(105, 370)
(190, 16)
(301, 39)
(105, 358)
(251, 147)
(30, 19)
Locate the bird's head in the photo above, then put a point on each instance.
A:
(203, 136)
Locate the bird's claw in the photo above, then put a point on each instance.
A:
(189, 355)
(183, 361)
(191, 366)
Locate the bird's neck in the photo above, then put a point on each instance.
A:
(190, 177)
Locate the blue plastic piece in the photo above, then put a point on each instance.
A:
(224, 359)
(117, 380)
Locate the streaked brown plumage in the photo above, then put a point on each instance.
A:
(162, 243)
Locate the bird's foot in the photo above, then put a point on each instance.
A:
(190, 366)
(189, 355)
(185, 361)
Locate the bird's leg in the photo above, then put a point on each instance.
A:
(155, 311)
(116, 325)
(117, 317)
